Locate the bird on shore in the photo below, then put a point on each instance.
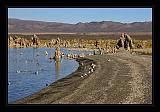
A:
(85, 74)
(81, 76)
(93, 65)
(91, 70)
(108, 60)
(82, 63)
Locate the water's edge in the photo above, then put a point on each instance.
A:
(63, 72)
(72, 78)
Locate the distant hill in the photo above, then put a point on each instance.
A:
(20, 26)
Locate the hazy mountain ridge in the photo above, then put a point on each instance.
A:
(17, 25)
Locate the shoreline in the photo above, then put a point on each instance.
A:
(70, 80)
(81, 49)
(120, 78)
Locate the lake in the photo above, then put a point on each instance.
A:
(30, 70)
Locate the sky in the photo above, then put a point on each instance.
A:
(75, 15)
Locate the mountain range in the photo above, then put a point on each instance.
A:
(20, 26)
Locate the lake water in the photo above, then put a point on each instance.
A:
(30, 70)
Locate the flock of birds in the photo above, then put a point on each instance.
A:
(36, 72)
(91, 70)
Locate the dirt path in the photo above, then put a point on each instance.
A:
(119, 78)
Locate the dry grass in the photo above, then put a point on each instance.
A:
(143, 43)
(146, 51)
(89, 40)
(83, 35)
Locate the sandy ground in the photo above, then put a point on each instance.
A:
(120, 78)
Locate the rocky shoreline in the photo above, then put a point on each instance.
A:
(111, 76)
(120, 78)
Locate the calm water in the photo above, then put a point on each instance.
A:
(30, 70)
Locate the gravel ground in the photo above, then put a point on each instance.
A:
(120, 78)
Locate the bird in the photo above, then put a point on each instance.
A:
(36, 72)
(46, 53)
(9, 83)
(81, 76)
(93, 65)
(91, 70)
(108, 60)
(46, 84)
(37, 63)
(18, 71)
(37, 55)
(82, 63)
(85, 74)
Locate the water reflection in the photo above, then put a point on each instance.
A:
(57, 66)
(29, 70)
(36, 59)
(57, 61)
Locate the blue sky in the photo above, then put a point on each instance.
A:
(75, 15)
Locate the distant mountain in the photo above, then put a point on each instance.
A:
(18, 26)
